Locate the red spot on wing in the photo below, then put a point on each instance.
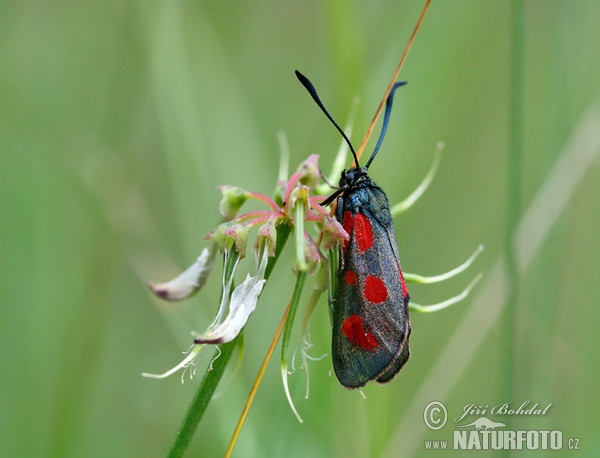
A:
(348, 225)
(354, 329)
(403, 283)
(351, 277)
(375, 290)
(363, 232)
(348, 222)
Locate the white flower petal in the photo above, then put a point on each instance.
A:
(189, 282)
(242, 304)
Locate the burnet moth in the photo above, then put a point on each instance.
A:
(371, 327)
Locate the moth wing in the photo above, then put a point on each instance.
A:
(371, 324)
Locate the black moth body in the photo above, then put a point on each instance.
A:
(371, 326)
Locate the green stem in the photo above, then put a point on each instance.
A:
(214, 373)
(514, 194)
(287, 331)
(207, 388)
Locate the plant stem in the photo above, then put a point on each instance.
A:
(514, 195)
(214, 373)
(259, 377)
(287, 332)
(208, 385)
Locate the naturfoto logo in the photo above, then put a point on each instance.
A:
(485, 432)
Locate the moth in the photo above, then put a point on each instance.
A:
(371, 326)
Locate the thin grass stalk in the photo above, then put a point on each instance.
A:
(514, 198)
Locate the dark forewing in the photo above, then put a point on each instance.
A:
(370, 319)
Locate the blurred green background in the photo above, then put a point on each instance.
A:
(119, 119)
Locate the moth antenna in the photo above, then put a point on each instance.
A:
(313, 93)
(386, 119)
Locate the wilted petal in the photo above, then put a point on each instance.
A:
(417, 193)
(239, 234)
(241, 305)
(448, 302)
(227, 283)
(333, 233)
(267, 234)
(232, 200)
(299, 196)
(310, 173)
(187, 362)
(284, 166)
(299, 204)
(220, 238)
(420, 279)
(189, 282)
(312, 254)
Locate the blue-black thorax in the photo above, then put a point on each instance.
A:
(361, 195)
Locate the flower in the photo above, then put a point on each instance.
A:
(189, 282)
(296, 208)
(241, 303)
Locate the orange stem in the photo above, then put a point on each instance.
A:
(389, 88)
(254, 389)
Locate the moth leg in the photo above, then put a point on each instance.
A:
(324, 178)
